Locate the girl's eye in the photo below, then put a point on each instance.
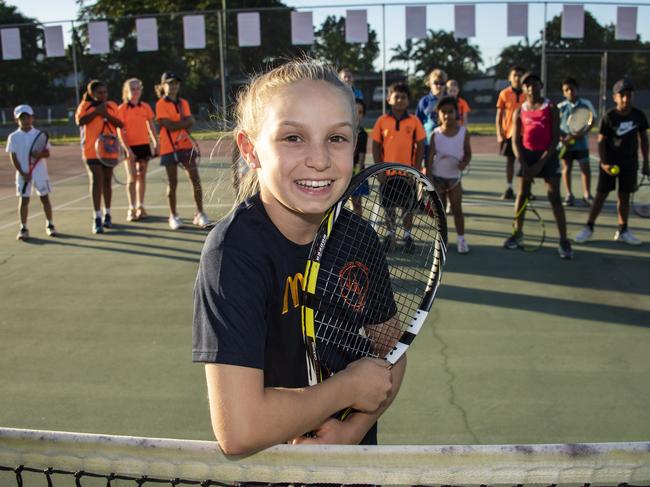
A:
(338, 138)
(292, 138)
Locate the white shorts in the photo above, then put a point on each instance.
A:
(40, 181)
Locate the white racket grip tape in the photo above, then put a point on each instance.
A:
(417, 321)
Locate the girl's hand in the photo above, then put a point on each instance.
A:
(131, 156)
(101, 109)
(331, 432)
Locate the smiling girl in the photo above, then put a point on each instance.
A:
(296, 130)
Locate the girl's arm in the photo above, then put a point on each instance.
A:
(99, 111)
(467, 152)
(376, 152)
(465, 119)
(247, 417)
(184, 123)
(16, 164)
(153, 135)
(419, 153)
(499, 118)
(431, 155)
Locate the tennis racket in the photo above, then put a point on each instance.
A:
(39, 144)
(579, 120)
(358, 299)
(533, 232)
(641, 198)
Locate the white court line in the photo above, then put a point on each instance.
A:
(149, 207)
(67, 204)
(58, 181)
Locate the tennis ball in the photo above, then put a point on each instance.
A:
(615, 170)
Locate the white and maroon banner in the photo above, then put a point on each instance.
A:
(573, 22)
(302, 28)
(147, 31)
(11, 44)
(54, 41)
(194, 31)
(416, 22)
(464, 21)
(517, 20)
(249, 33)
(626, 23)
(98, 37)
(356, 26)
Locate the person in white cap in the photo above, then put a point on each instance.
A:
(19, 145)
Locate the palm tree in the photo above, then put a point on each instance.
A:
(405, 54)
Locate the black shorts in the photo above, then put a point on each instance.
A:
(550, 170)
(582, 156)
(95, 162)
(142, 152)
(506, 148)
(182, 157)
(627, 179)
(399, 192)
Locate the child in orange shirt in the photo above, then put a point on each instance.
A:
(453, 90)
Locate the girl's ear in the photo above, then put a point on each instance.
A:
(247, 149)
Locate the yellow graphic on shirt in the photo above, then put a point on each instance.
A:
(295, 285)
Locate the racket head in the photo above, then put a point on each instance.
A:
(109, 150)
(184, 141)
(39, 144)
(641, 198)
(579, 119)
(363, 297)
(533, 229)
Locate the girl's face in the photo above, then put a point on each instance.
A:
(303, 151)
(100, 94)
(437, 85)
(447, 115)
(135, 92)
(452, 90)
(533, 89)
(171, 88)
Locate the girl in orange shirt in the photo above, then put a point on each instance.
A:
(176, 148)
(95, 114)
(140, 142)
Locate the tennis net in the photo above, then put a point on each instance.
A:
(59, 458)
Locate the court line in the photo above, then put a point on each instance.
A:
(58, 181)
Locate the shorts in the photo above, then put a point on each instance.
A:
(363, 190)
(40, 182)
(627, 179)
(142, 152)
(506, 148)
(182, 157)
(399, 192)
(550, 170)
(445, 184)
(93, 162)
(580, 155)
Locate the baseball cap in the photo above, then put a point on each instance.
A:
(169, 76)
(529, 76)
(20, 109)
(622, 85)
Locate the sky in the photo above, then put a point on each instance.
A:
(490, 19)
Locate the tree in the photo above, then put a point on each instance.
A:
(443, 50)
(522, 54)
(405, 55)
(330, 46)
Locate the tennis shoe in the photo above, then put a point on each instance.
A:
(584, 235)
(569, 200)
(108, 222)
(565, 250)
(508, 194)
(513, 241)
(23, 234)
(462, 246)
(97, 226)
(409, 245)
(627, 237)
(131, 215)
(50, 230)
(588, 200)
(174, 222)
(141, 213)
(201, 220)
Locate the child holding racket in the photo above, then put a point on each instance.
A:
(399, 137)
(31, 168)
(622, 129)
(509, 100)
(176, 147)
(141, 143)
(536, 131)
(449, 154)
(577, 144)
(296, 131)
(96, 115)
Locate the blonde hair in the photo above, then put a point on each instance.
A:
(437, 73)
(126, 88)
(251, 106)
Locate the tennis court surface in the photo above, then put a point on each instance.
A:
(519, 347)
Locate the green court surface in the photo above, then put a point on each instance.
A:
(95, 330)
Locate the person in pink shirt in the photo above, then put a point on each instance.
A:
(536, 132)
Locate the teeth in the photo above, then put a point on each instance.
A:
(309, 183)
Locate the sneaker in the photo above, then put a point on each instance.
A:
(569, 200)
(627, 237)
(588, 200)
(131, 215)
(513, 241)
(389, 243)
(584, 235)
(508, 194)
(23, 234)
(108, 222)
(462, 246)
(141, 213)
(97, 226)
(565, 250)
(174, 222)
(409, 245)
(201, 220)
(50, 230)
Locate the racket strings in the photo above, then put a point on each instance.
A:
(369, 294)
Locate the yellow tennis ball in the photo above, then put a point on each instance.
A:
(615, 170)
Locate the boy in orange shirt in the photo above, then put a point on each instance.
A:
(509, 100)
(398, 136)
